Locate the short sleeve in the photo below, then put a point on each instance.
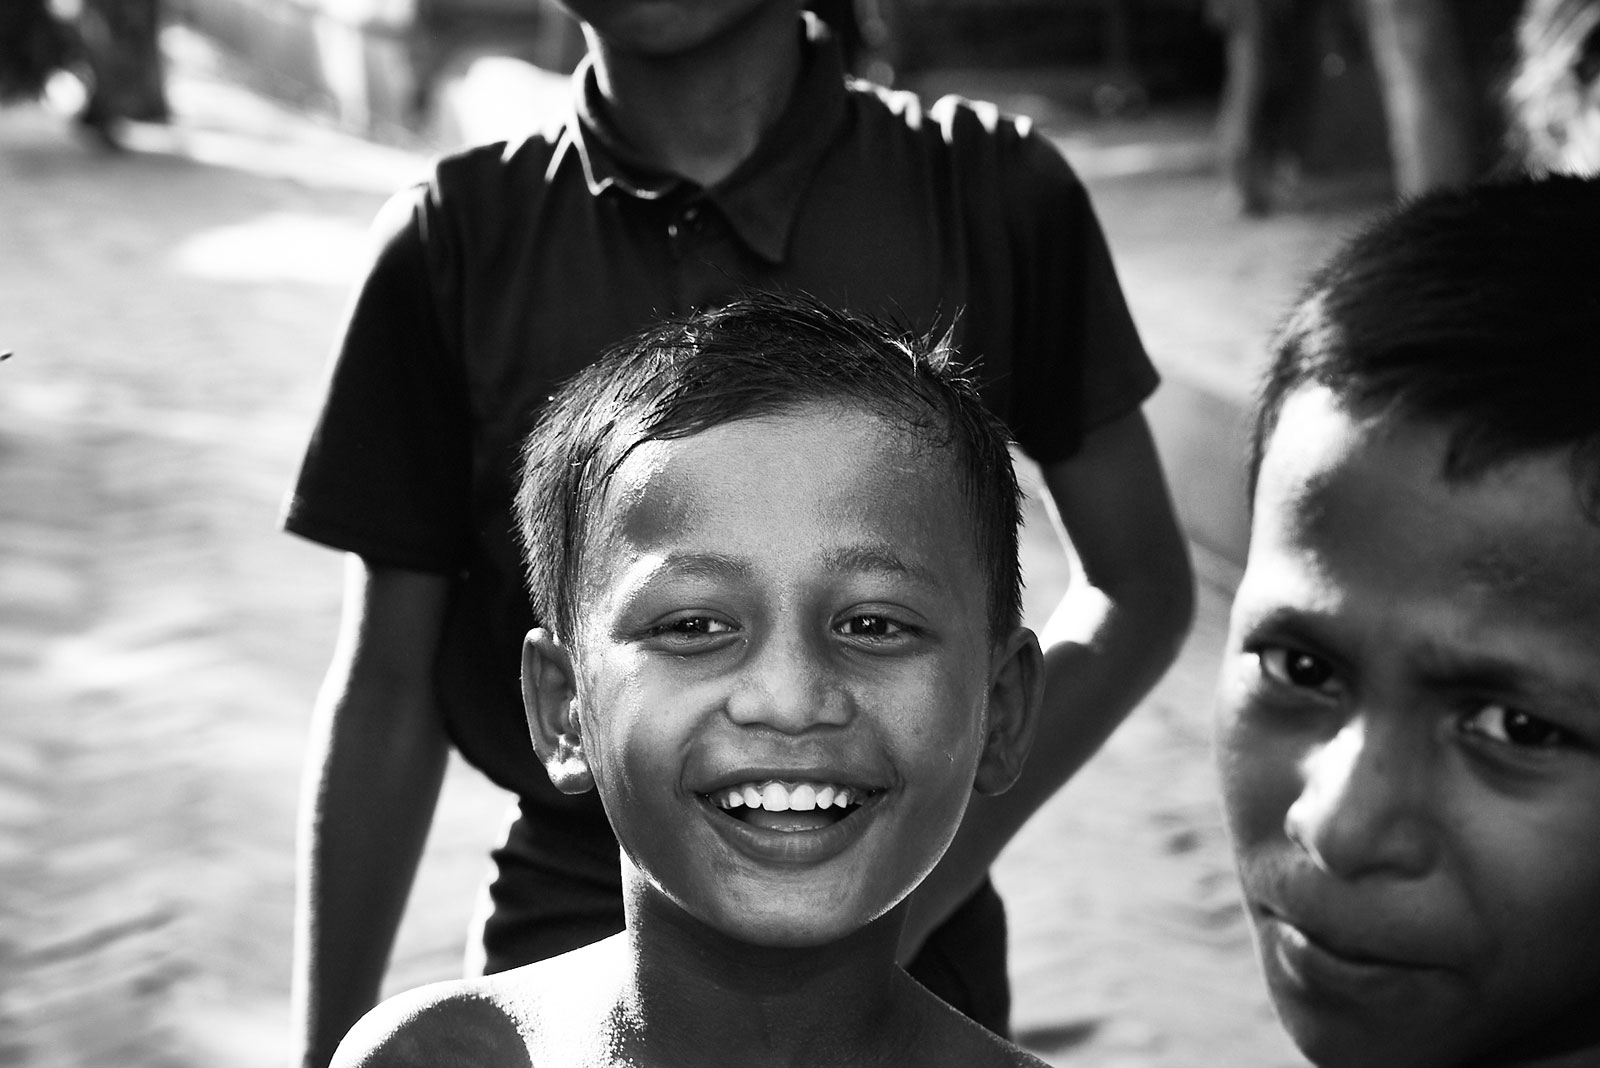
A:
(387, 471)
(1078, 361)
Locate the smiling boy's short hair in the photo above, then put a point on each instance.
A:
(761, 355)
(1477, 310)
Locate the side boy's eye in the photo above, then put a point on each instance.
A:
(1510, 726)
(1292, 667)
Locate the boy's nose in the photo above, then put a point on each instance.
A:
(786, 684)
(1364, 807)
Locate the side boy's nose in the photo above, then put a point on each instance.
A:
(1363, 809)
(785, 683)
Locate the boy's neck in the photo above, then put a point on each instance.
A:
(701, 113)
(693, 997)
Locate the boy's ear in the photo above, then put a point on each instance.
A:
(1016, 689)
(550, 700)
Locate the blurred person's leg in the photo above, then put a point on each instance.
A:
(33, 46)
(122, 43)
(1428, 99)
(1273, 65)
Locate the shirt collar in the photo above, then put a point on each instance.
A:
(761, 198)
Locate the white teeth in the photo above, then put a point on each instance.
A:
(775, 796)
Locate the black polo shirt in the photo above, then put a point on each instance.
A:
(515, 264)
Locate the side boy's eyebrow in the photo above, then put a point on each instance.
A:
(1487, 671)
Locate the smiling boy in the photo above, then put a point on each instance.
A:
(776, 548)
(1409, 720)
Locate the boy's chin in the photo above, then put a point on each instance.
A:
(802, 929)
(1330, 1038)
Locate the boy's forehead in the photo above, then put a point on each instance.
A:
(843, 466)
(1349, 502)
(877, 443)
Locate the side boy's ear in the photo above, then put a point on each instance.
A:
(550, 700)
(1016, 689)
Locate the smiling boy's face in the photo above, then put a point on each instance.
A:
(784, 670)
(1409, 742)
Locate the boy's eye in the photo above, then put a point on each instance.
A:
(691, 627)
(1293, 667)
(871, 626)
(1510, 726)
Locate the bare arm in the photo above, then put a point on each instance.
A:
(1116, 631)
(373, 768)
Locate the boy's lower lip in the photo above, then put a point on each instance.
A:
(791, 847)
(1317, 968)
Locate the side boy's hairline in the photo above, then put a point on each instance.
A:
(1472, 310)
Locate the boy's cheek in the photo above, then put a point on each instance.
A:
(1258, 773)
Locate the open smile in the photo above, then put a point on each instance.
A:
(789, 807)
(791, 821)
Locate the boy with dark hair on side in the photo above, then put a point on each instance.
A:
(711, 147)
(775, 548)
(1409, 717)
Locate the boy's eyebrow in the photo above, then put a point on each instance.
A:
(1490, 671)
(1432, 660)
(855, 558)
(873, 558)
(707, 565)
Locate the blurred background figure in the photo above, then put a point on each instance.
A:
(121, 42)
(98, 59)
(1422, 57)
(33, 45)
(1553, 97)
(1420, 54)
(1274, 50)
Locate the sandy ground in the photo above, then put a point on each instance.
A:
(169, 309)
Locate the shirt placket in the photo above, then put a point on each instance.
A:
(708, 267)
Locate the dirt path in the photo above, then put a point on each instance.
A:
(160, 644)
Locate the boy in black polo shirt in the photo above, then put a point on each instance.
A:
(714, 146)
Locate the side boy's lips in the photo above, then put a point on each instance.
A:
(1361, 937)
(1329, 966)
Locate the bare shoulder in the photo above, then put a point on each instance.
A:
(443, 1025)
